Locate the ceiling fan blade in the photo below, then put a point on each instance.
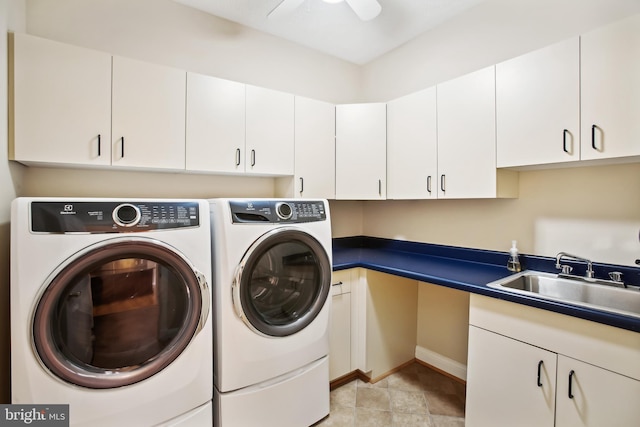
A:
(365, 9)
(284, 8)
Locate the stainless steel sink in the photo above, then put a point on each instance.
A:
(574, 291)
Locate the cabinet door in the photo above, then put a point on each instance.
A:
(361, 159)
(412, 146)
(148, 127)
(315, 149)
(466, 136)
(509, 383)
(611, 90)
(340, 335)
(215, 124)
(61, 103)
(598, 397)
(538, 106)
(269, 127)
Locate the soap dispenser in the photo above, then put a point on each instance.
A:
(514, 262)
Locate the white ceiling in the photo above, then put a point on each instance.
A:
(334, 28)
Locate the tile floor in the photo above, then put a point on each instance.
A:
(416, 396)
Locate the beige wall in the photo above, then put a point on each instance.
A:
(109, 183)
(166, 32)
(604, 193)
(392, 322)
(443, 321)
(12, 18)
(491, 32)
(346, 218)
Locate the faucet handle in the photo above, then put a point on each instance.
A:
(566, 269)
(616, 276)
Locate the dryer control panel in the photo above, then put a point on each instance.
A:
(112, 216)
(277, 211)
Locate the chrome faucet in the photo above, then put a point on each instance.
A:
(566, 269)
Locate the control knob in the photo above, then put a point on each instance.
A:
(126, 215)
(284, 211)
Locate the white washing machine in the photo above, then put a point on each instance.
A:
(110, 304)
(272, 276)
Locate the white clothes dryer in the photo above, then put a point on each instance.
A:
(110, 305)
(272, 276)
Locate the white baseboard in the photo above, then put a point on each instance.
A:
(441, 362)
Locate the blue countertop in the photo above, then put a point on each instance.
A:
(470, 270)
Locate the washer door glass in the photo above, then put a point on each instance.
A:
(119, 313)
(282, 282)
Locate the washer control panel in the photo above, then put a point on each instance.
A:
(277, 211)
(112, 216)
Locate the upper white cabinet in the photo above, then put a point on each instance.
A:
(215, 140)
(467, 139)
(61, 103)
(269, 132)
(315, 152)
(412, 146)
(576, 100)
(538, 106)
(148, 115)
(611, 90)
(361, 143)
(94, 109)
(82, 107)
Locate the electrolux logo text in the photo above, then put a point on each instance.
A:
(68, 210)
(34, 415)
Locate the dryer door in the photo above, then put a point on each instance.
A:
(119, 312)
(282, 282)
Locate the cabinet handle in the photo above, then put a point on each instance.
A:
(99, 146)
(564, 141)
(301, 185)
(380, 187)
(540, 363)
(429, 184)
(122, 149)
(442, 183)
(337, 284)
(571, 374)
(253, 157)
(237, 157)
(593, 137)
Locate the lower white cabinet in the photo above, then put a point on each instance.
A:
(340, 326)
(529, 367)
(592, 396)
(509, 383)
